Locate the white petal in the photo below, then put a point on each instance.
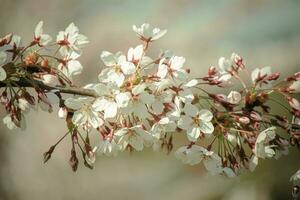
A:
(74, 67)
(136, 142)
(190, 110)
(123, 99)
(192, 83)
(177, 62)
(138, 89)
(162, 71)
(79, 118)
(74, 104)
(205, 115)
(3, 74)
(45, 39)
(147, 98)
(128, 68)
(193, 133)
(158, 34)
(224, 64)
(111, 110)
(3, 57)
(206, 127)
(101, 89)
(185, 122)
(38, 29)
(234, 97)
(100, 104)
(108, 58)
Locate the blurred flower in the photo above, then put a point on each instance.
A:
(191, 155)
(7, 120)
(296, 176)
(23, 104)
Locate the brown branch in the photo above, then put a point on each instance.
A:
(66, 90)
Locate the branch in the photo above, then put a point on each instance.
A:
(66, 90)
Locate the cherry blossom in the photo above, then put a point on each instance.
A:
(147, 33)
(196, 122)
(84, 112)
(39, 37)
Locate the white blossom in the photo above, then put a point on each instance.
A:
(71, 39)
(196, 122)
(135, 136)
(39, 36)
(109, 146)
(213, 164)
(262, 147)
(84, 112)
(174, 68)
(191, 155)
(234, 97)
(259, 74)
(147, 33)
(70, 67)
(110, 101)
(225, 67)
(119, 67)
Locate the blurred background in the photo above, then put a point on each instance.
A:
(263, 32)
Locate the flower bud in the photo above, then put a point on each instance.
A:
(244, 120)
(273, 76)
(5, 40)
(23, 104)
(255, 116)
(31, 59)
(212, 71)
(73, 160)
(295, 77)
(45, 63)
(62, 112)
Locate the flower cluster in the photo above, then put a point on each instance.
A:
(141, 102)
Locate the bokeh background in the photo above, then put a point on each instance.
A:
(263, 32)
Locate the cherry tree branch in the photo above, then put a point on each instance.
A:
(66, 90)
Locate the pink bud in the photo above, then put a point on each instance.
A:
(212, 71)
(244, 120)
(273, 76)
(255, 116)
